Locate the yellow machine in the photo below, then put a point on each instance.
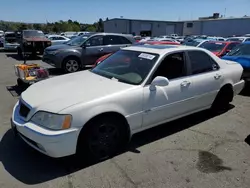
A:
(30, 73)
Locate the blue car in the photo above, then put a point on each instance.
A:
(241, 54)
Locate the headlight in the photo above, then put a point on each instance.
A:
(52, 121)
(53, 52)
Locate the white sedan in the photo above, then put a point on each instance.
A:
(95, 112)
(57, 39)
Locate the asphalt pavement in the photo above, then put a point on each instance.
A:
(197, 151)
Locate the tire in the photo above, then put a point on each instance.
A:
(71, 64)
(102, 138)
(222, 100)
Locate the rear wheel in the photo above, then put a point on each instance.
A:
(71, 64)
(102, 138)
(223, 99)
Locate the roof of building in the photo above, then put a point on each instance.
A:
(141, 20)
(182, 21)
(160, 49)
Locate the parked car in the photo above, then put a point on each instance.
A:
(194, 42)
(1, 41)
(10, 42)
(57, 39)
(238, 39)
(69, 34)
(219, 48)
(84, 50)
(100, 109)
(241, 54)
(139, 43)
(31, 42)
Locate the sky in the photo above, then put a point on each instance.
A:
(89, 11)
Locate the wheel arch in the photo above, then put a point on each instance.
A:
(112, 114)
(228, 87)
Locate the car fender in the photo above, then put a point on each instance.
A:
(72, 52)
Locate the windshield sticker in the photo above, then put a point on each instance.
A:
(218, 43)
(146, 56)
(39, 31)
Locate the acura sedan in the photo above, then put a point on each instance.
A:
(134, 89)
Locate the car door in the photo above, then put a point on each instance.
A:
(92, 49)
(206, 77)
(114, 43)
(169, 102)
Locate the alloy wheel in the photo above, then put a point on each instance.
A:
(72, 66)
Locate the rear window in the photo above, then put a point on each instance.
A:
(213, 46)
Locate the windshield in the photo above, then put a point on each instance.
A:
(77, 41)
(33, 34)
(235, 39)
(213, 46)
(130, 67)
(240, 50)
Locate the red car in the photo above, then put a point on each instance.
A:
(140, 43)
(219, 48)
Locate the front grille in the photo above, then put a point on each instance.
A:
(24, 110)
(39, 44)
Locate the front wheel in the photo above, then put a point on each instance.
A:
(71, 64)
(102, 139)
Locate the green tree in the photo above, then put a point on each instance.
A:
(37, 26)
(90, 28)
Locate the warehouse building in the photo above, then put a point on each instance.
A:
(143, 27)
(213, 26)
(218, 27)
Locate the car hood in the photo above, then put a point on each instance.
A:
(243, 60)
(31, 39)
(59, 47)
(58, 93)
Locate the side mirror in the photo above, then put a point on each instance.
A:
(159, 81)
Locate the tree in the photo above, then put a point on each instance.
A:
(37, 26)
(99, 25)
(90, 28)
(107, 19)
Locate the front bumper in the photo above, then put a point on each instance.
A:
(52, 143)
(52, 60)
(10, 47)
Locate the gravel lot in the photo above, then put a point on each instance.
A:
(197, 151)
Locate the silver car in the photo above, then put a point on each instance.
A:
(84, 50)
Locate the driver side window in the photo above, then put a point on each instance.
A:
(173, 66)
(95, 41)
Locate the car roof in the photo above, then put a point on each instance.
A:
(160, 49)
(223, 42)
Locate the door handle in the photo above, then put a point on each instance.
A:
(217, 76)
(185, 83)
(101, 49)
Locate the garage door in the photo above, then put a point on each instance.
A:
(170, 29)
(146, 27)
